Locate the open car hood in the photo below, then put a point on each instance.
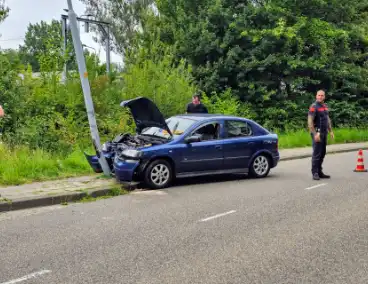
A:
(145, 113)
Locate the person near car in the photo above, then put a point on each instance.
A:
(319, 124)
(196, 106)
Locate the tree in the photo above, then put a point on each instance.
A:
(40, 38)
(4, 11)
(14, 59)
(274, 54)
(125, 17)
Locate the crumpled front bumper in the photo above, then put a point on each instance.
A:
(95, 164)
(126, 170)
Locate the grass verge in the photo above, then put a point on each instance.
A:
(22, 165)
(112, 193)
(302, 138)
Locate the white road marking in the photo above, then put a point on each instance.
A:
(315, 186)
(217, 216)
(107, 218)
(27, 277)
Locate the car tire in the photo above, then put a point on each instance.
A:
(260, 166)
(158, 174)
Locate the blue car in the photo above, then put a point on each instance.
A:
(185, 146)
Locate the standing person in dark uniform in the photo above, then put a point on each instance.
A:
(196, 106)
(319, 124)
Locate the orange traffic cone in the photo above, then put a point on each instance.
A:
(360, 164)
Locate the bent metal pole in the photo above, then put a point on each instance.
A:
(86, 88)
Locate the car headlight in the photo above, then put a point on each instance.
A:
(104, 147)
(131, 153)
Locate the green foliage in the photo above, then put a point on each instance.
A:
(274, 55)
(4, 11)
(43, 41)
(46, 126)
(303, 139)
(21, 165)
(43, 113)
(126, 18)
(228, 104)
(168, 85)
(14, 59)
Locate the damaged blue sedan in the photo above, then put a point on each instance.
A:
(187, 145)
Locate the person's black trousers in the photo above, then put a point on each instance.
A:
(319, 153)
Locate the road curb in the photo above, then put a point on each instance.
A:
(33, 202)
(304, 156)
(26, 203)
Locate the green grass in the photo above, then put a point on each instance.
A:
(302, 138)
(22, 165)
(112, 193)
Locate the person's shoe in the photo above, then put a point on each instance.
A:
(322, 175)
(316, 177)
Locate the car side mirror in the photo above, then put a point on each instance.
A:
(192, 139)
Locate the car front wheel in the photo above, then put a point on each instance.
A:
(158, 174)
(260, 166)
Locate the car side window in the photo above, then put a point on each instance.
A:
(235, 129)
(208, 132)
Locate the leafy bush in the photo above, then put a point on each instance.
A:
(43, 113)
(167, 85)
(228, 104)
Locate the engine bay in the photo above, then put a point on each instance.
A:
(125, 141)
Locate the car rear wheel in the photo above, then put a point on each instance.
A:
(260, 166)
(158, 174)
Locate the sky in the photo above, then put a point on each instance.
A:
(24, 12)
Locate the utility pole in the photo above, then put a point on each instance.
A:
(105, 28)
(107, 34)
(65, 36)
(86, 88)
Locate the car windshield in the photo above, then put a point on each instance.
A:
(177, 126)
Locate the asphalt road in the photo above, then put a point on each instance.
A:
(286, 228)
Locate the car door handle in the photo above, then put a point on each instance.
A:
(218, 147)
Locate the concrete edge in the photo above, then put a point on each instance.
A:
(26, 203)
(304, 156)
(33, 202)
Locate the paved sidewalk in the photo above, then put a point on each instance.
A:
(66, 190)
(299, 153)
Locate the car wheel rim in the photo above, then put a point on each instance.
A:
(160, 174)
(260, 165)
